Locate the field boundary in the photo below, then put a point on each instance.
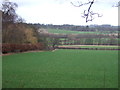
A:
(86, 48)
(6, 54)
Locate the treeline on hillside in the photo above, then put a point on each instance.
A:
(16, 35)
(54, 39)
(79, 28)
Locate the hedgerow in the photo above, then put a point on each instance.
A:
(8, 48)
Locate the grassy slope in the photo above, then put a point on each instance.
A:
(61, 69)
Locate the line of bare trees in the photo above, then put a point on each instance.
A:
(53, 40)
(14, 30)
(17, 35)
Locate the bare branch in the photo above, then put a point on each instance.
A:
(80, 4)
(96, 14)
(88, 14)
(117, 5)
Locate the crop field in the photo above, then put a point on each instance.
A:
(106, 47)
(76, 32)
(92, 46)
(68, 31)
(61, 69)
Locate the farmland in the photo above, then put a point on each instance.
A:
(71, 37)
(61, 31)
(61, 69)
(38, 55)
(92, 46)
(67, 31)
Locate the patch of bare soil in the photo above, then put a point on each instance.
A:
(54, 50)
(7, 54)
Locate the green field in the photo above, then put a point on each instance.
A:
(77, 32)
(68, 31)
(61, 69)
(93, 46)
(106, 47)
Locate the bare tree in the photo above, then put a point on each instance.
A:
(12, 27)
(87, 14)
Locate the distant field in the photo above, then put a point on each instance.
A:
(61, 69)
(87, 37)
(74, 32)
(93, 46)
(67, 31)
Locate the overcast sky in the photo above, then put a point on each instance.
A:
(63, 12)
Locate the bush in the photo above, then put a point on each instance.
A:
(7, 48)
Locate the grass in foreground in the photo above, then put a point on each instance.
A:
(61, 69)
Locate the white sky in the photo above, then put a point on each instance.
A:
(63, 12)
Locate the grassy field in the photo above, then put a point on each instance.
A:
(61, 69)
(75, 32)
(68, 31)
(93, 46)
(109, 47)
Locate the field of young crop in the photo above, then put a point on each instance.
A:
(75, 32)
(106, 47)
(92, 46)
(68, 31)
(61, 69)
